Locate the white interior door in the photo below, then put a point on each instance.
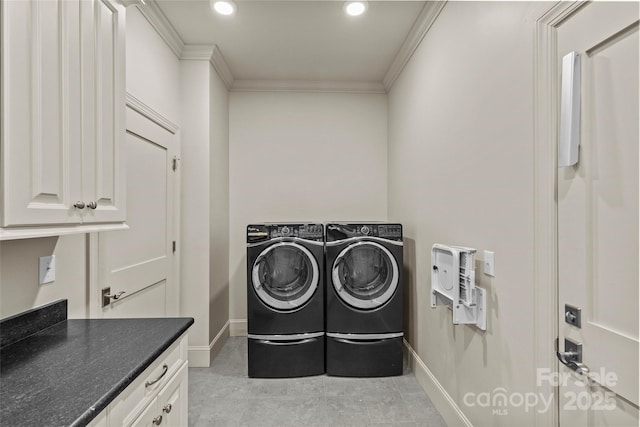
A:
(138, 264)
(598, 219)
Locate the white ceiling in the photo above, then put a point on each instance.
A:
(298, 40)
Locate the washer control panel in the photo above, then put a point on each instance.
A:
(261, 232)
(390, 231)
(345, 231)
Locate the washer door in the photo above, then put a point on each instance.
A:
(365, 275)
(285, 276)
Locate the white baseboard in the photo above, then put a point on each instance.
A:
(238, 327)
(443, 402)
(200, 355)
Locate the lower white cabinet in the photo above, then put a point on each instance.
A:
(170, 407)
(149, 416)
(100, 420)
(172, 400)
(158, 397)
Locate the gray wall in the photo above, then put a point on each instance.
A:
(298, 156)
(219, 206)
(461, 173)
(19, 288)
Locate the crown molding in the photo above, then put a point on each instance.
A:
(151, 114)
(306, 86)
(197, 52)
(420, 28)
(163, 27)
(221, 67)
(211, 53)
(165, 30)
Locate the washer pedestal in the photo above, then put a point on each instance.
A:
(364, 358)
(286, 359)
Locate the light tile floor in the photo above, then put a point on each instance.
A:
(223, 395)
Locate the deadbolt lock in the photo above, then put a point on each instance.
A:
(573, 315)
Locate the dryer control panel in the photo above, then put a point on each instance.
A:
(345, 231)
(261, 232)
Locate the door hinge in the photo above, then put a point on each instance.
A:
(173, 246)
(174, 163)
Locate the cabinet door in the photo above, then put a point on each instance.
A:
(149, 417)
(102, 29)
(100, 421)
(41, 163)
(172, 399)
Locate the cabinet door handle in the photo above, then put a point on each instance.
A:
(167, 408)
(165, 368)
(92, 205)
(157, 420)
(79, 205)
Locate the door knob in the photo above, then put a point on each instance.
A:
(92, 205)
(79, 205)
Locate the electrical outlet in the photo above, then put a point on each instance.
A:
(47, 269)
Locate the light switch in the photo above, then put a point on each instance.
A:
(488, 263)
(47, 270)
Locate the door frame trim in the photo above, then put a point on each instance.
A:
(546, 110)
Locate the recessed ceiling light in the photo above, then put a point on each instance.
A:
(355, 8)
(224, 7)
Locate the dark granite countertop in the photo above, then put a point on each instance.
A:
(66, 374)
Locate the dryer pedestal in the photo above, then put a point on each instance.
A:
(286, 359)
(364, 358)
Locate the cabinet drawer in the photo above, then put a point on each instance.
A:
(166, 365)
(127, 406)
(173, 399)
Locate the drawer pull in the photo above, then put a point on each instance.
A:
(167, 408)
(157, 420)
(165, 368)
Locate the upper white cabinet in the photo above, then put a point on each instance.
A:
(102, 71)
(63, 116)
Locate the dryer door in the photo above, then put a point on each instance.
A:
(365, 275)
(285, 276)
